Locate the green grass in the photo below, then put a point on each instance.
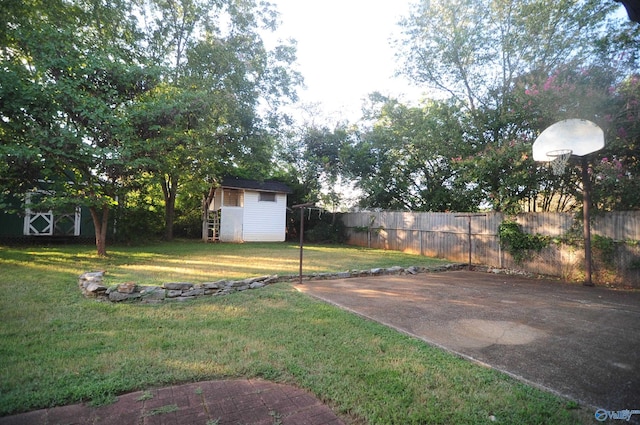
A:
(57, 347)
(198, 262)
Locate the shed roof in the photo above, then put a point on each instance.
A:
(263, 186)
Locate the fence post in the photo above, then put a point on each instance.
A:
(469, 216)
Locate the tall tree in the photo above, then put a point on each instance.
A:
(474, 50)
(503, 60)
(408, 159)
(207, 118)
(69, 70)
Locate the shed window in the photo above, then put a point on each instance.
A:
(267, 197)
(232, 198)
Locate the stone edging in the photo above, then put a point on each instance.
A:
(92, 284)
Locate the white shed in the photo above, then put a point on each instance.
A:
(247, 211)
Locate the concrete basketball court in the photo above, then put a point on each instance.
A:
(580, 342)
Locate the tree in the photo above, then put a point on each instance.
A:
(616, 183)
(615, 173)
(474, 50)
(205, 118)
(313, 157)
(408, 159)
(69, 70)
(516, 68)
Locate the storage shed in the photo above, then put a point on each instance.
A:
(19, 220)
(247, 211)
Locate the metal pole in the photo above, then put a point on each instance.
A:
(302, 207)
(469, 243)
(469, 216)
(586, 228)
(301, 241)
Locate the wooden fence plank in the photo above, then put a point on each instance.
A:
(445, 235)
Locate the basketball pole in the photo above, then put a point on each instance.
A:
(586, 228)
(580, 137)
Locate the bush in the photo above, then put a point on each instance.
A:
(326, 233)
(137, 224)
(319, 227)
(607, 248)
(188, 224)
(518, 243)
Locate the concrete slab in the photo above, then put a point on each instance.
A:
(580, 342)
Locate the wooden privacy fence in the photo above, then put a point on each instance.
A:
(454, 235)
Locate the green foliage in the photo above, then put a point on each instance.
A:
(147, 395)
(634, 264)
(313, 163)
(606, 246)
(67, 79)
(207, 117)
(319, 227)
(547, 68)
(162, 410)
(188, 223)
(360, 229)
(616, 183)
(409, 158)
(505, 174)
(445, 44)
(324, 232)
(98, 94)
(369, 228)
(139, 223)
(518, 243)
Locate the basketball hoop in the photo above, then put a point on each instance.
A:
(559, 160)
(556, 144)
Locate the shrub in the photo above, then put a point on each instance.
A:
(607, 248)
(138, 223)
(188, 224)
(326, 233)
(319, 227)
(518, 243)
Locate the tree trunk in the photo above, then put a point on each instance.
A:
(100, 223)
(169, 189)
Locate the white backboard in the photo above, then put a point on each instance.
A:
(580, 136)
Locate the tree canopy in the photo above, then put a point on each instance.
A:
(116, 103)
(69, 71)
(510, 69)
(95, 95)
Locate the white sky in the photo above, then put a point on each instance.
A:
(343, 50)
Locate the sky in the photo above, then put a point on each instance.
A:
(343, 50)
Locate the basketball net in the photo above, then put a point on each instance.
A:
(559, 160)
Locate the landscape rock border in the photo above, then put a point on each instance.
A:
(92, 284)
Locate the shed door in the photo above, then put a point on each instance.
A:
(231, 220)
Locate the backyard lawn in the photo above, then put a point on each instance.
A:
(56, 347)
